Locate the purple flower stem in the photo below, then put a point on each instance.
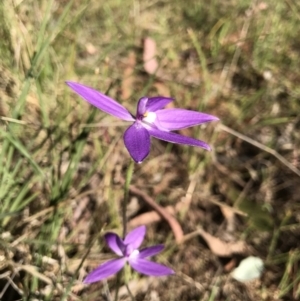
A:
(129, 174)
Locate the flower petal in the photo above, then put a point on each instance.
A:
(101, 101)
(156, 103)
(151, 104)
(176, 138)
(176, 119)
(115, 243)
(141, 107)
(150, 251)
(105, 270)
(149, 268)
(137, 142)
(135, 237)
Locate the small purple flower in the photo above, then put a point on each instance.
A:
(127, 250)
(150, 120)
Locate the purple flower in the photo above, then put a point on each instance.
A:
(127, 250)
(150, 120)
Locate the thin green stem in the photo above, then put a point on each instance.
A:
(129, 291)
(117, 286)
(129, 174)
(127, 276)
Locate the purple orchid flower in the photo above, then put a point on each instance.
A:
(150, 120)
(127, 250)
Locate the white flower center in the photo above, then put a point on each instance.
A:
(149, 117)
(134, 253)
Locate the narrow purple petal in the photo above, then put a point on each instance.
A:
(151, 104)
(135, 237)
(105, 270)
(149, 268)
(101, 101)
(176, 119)
(115, 243)
(141, 107)
(177, 138)
(137, 142)
(156, 103)
(150, 251)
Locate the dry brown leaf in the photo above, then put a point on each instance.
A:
(229, 215)
(154, 216)
(172, 221)
(149, 59)
(149, 217)
(222, 248)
